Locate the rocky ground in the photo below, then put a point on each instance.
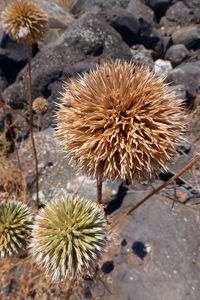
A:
(155, 252)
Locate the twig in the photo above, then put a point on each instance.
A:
(11, 135)
(194, 160)
(31, 126)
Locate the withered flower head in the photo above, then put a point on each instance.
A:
(24, 21)
(120, 121)
(40, 105)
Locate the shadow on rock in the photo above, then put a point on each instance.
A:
(117, 201)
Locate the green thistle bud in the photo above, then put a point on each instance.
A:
(69, 235)
(15, 226)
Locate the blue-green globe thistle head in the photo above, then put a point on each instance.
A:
(15, 227)
(69, 235)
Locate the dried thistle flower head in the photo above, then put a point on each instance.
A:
(24, 21)
(40, 105)
(68, 236)
(15, 226)
(120, 121)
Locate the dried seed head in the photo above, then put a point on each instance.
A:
(120, 121)
(40, 105)
(24, 21)
(15, 226)
(68, 236)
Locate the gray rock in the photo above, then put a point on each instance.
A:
(58, 20)
(145, 244)
(167, 42)
(92, 36)
(134, 7)
(188, 35)
(3, 81)
(125, 23)
(167, 27)
(57, 15)
(189, 75)
(162, 67)
(180, 91)
(13, 51)
(143, 11)
(192, 4)
(146, 263)
(138, 29)
(56, 175)
(150, 37)
(13, 57)
(179, 13)
(195, 6)
(142, 56)
(177, 54)
(159, 6)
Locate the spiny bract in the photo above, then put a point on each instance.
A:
(15, 227)
(120, 121)
(40, 105)
(24, 21)
(69, 235)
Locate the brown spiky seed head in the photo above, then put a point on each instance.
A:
(69, 235)
(40, 105)
(15, 227)
(25, 21)
(120, 121)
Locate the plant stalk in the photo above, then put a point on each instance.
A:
(70, 288)
(194, 160)
(31, 125)
(99, 189)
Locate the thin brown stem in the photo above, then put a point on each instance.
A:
(70, 288)
(31, 125)
(11, 134)
(99, 189)
(38, 124)
(194, 160)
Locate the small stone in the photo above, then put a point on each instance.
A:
(177, 54)
(181, 197)
(41, 196)
(188, 35)
(162, 67)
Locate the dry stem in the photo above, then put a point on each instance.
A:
(99, 189)
(70, 288)
(31, 126)
(194, 160)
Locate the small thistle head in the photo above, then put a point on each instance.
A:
(40, 105)
(24, 21)
(120, 121)
(69, 235)
(15, 227)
